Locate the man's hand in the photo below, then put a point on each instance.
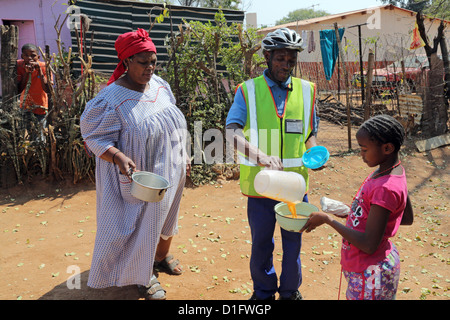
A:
(270, 162)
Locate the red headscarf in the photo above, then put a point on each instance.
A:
(128, 44)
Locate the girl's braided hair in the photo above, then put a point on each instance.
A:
(385, 129)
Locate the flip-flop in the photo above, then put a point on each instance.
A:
(168, 267)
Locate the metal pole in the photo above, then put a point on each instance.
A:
(361, 69)
(347, 100)
(339, 78)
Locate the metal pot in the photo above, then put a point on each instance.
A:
(147, 186)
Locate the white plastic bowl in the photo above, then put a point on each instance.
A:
(303, 211)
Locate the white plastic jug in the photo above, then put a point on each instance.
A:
(280, 185)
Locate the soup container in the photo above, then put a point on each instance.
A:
(303, 211)
(280, 185)
(147, 186)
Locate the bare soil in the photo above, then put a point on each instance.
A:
(48, 230)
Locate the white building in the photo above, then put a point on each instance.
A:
(384, 29)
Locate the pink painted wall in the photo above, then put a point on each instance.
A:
(43, 13)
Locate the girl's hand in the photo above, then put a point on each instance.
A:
(316, 219)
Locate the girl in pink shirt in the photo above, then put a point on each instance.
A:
(370, 261)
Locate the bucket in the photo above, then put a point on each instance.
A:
(280, 185)
(147, 186)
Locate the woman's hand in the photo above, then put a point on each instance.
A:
(126, 165)
(188, 165)
(188, 169)
(117, 157)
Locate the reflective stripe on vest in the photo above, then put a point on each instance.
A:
(253, 137)
(287, 163)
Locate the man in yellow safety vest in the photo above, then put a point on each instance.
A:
(272, 122)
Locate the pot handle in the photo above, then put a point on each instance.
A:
(162, 190)
(130, 173)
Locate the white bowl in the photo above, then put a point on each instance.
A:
(303, 211)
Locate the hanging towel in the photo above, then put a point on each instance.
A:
(329, 49)
(311, 43)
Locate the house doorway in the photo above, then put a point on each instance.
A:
(27, 33)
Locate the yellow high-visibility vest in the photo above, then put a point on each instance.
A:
(283, 136)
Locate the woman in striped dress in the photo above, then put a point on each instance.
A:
(134, 124)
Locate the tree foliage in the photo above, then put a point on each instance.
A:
(301, 14)
(225, 4)
(434, 8)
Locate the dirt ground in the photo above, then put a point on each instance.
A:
(48, 230)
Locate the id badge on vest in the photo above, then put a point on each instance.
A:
(293, 126)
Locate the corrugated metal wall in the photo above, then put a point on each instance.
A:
(112, 18)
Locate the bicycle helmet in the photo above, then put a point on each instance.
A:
(282, 38)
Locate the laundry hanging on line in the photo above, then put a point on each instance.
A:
(308, 40)
(311, 42)
(416, 40)
(330, 50)
(304, 39)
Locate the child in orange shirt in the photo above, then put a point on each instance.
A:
(36, 100)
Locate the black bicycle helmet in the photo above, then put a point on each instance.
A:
(282, 38)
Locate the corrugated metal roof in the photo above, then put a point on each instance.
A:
(111, 18)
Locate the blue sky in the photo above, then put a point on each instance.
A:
(269, 11)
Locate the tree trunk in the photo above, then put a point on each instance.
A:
(367, 107)
(435, 116)
(10, 37)
(434, 119)
(445, 57)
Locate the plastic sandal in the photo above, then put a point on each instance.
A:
(153, 291)
(165, 266)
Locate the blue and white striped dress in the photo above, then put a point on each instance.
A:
(149, 129)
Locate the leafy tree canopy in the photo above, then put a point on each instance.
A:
(434, 8)
(225, 4)
(301, 14)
